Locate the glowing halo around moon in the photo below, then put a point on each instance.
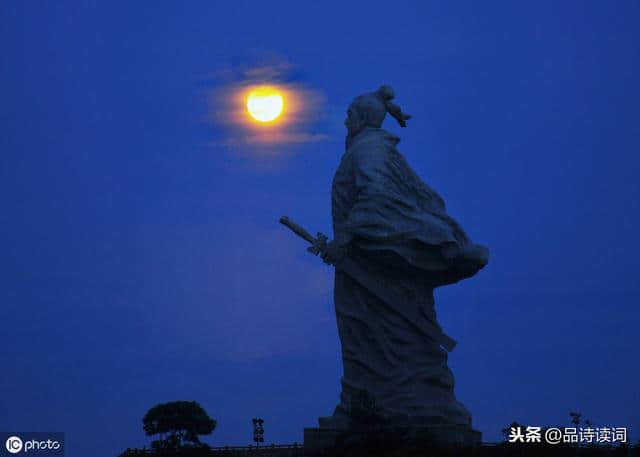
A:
(265, 104)
(265, 113)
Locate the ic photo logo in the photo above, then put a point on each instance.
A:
(14, 444)
(34, 443)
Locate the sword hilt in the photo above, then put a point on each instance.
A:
(318, 243)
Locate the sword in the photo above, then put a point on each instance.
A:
(355, 271)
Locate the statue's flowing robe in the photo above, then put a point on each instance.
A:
(398, 231)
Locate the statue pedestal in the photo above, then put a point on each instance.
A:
(319, 440)
(447, 435)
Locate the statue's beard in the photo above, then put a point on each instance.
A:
(351, 134)
(349, 139)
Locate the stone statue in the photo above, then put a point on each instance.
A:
(393, 244)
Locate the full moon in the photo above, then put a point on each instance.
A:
(265, 105)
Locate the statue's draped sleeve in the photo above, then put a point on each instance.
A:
(395, 218)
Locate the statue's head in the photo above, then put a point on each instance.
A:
(370, 109)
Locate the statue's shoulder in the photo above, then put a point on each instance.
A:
(371, 146)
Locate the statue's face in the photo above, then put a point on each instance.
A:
(349, 120)
(353, 121)
(364, 111)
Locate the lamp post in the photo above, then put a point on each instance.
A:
(258, 431)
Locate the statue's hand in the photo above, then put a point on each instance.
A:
(333, 252)
(470, 255)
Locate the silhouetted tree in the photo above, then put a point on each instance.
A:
(575, 417)
(183, 421)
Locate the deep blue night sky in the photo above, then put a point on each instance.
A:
(140, 256)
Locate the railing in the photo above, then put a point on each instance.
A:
(287, 450)
(251, 447)
(297, 450)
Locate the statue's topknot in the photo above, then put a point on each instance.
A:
(373, 106)
(386, 93)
